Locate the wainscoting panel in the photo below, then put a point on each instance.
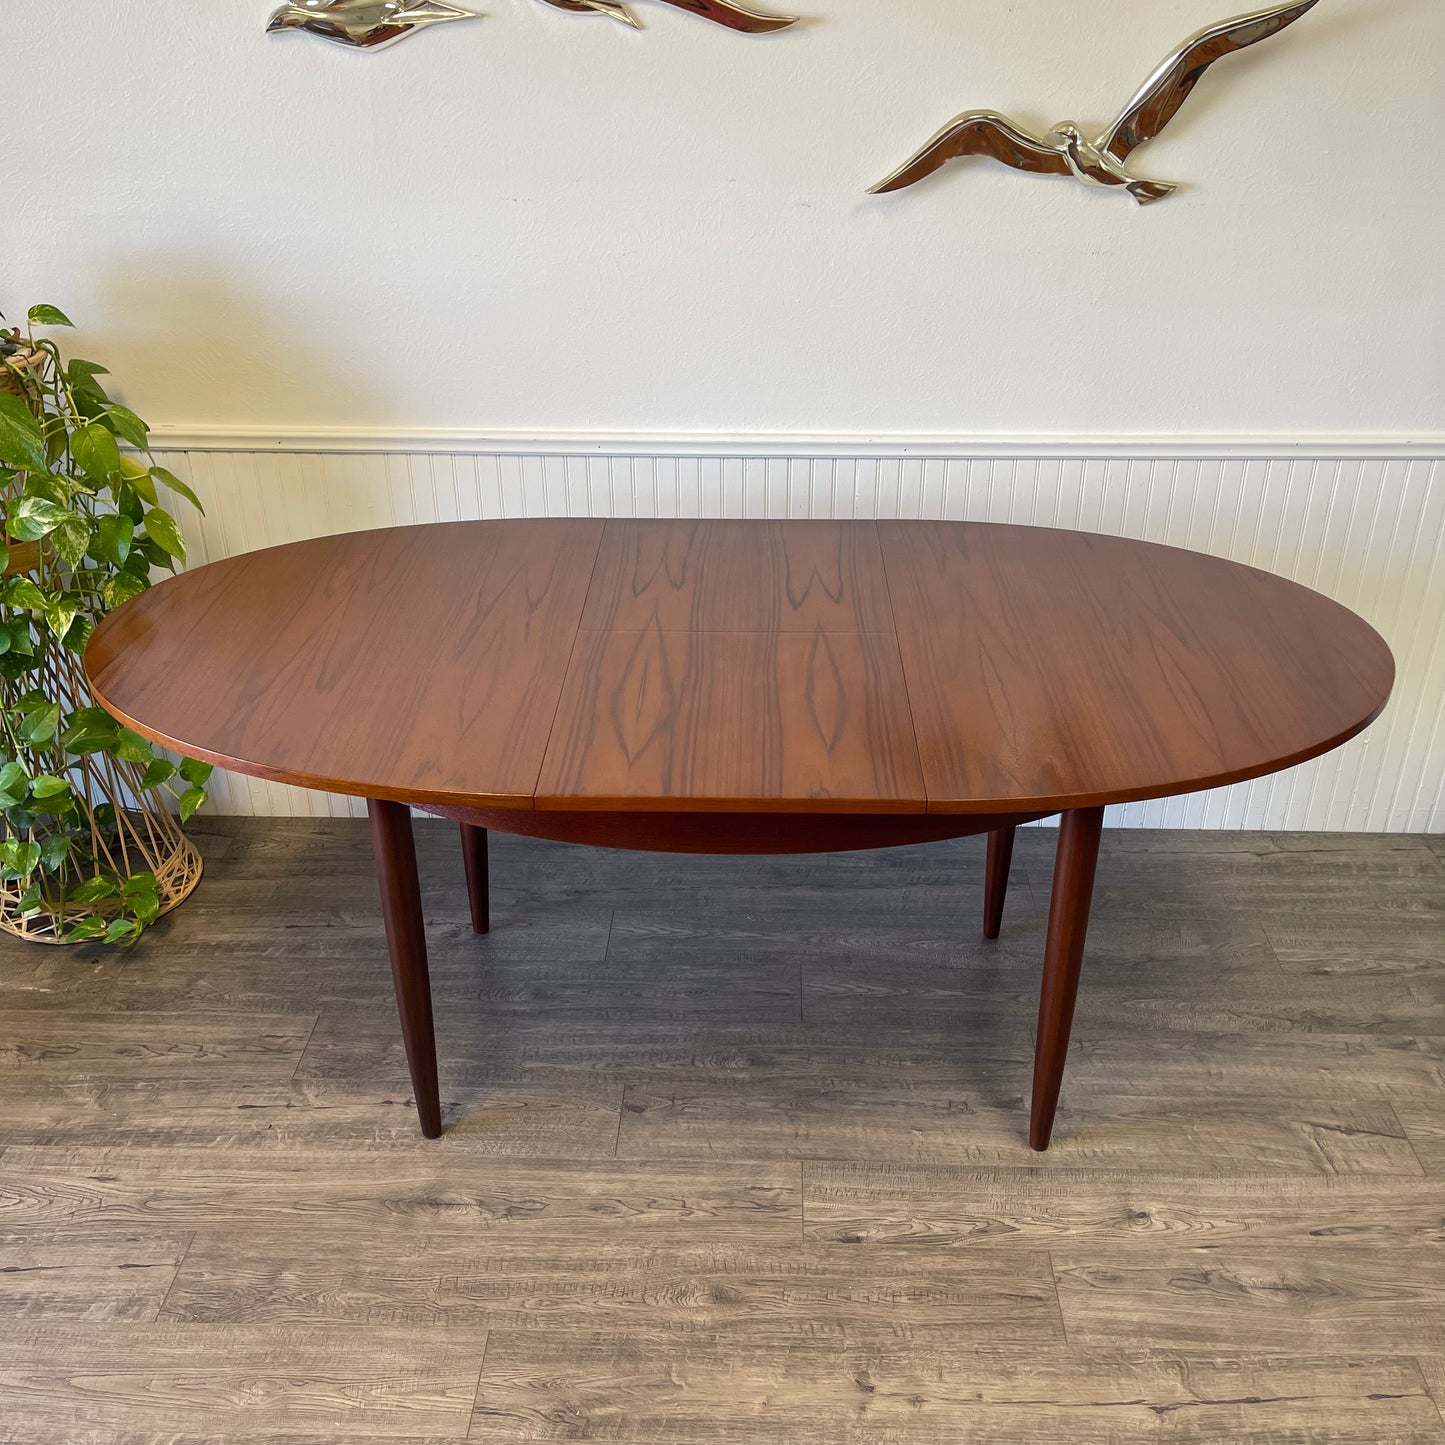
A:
(1369, 532)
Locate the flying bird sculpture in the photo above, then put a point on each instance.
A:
(720, 12)
(1064, 151)
(365, 24)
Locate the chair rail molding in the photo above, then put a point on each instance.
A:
(862, 445)
(1359, 518)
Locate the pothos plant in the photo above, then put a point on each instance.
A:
(84, 528)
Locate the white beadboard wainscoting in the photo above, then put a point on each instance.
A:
(1368, 530)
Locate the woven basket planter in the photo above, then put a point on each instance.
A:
(147, 835)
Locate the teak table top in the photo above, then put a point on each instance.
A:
(717, 666)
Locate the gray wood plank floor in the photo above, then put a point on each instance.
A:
(736, 1155)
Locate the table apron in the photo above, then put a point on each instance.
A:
(739, 833)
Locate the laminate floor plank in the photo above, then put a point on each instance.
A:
(1395, 1067)
(212, 1382)
(1424, 1126)
(475, 983)
(38, 979)
(530, 1116)
(1243, 991)
(665, 1389)
(1282, 884)
(1432, 1367)
(1357, 944)
(821, 925)
(845, 1118)
(70, 1044)
(735, 1153)
(401, 1276)
(923, 1209)
(504, 1202)
(102, 1274)
(1387, 1298)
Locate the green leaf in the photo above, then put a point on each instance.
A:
(22, 592)
(121, 588)
(128, 425)
(95, 451)
(85, 930)
(43, 484)
(113, 539)
(169, 479)
(148, 554)
(78, 372)
(22, 443)
(47, 785)
(49, 316)
(18, 632)
(162, 530)
(28, 519)
(91, 401)
(194, 771)
(24, 858)
(95, 889)
(71, 539)
(144, 486)
(55, 852)
(131, 747)
(40, 725)
(121, 928)
(31, 901)
(60, 613)
(79, 635)
(162, 770)
(14, 784)
(146, 907)
(191, 799)
(90, 730)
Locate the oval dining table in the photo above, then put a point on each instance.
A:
(740, 687)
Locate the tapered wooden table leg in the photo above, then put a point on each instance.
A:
(394, 849)
(995, 879)
(479, 892)
(1074, 871)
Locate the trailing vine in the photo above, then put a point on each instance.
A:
(84, 529)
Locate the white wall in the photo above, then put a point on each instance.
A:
(542, 264)
(544, 223)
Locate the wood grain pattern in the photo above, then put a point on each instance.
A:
(672, 1210)
(722, 662)
(739, 577)
(1069, 670)
(73, 1195)
(659, 1389)
(97, 1275)
(933, 1208)
(414, 664)
(395, 1276)
(1391, 1300)
(734, 721)
(218, 1382)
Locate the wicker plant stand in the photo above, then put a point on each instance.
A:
(147, 835)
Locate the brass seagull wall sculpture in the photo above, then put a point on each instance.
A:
(1065, 152)
(720, 12)
(365, 24)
